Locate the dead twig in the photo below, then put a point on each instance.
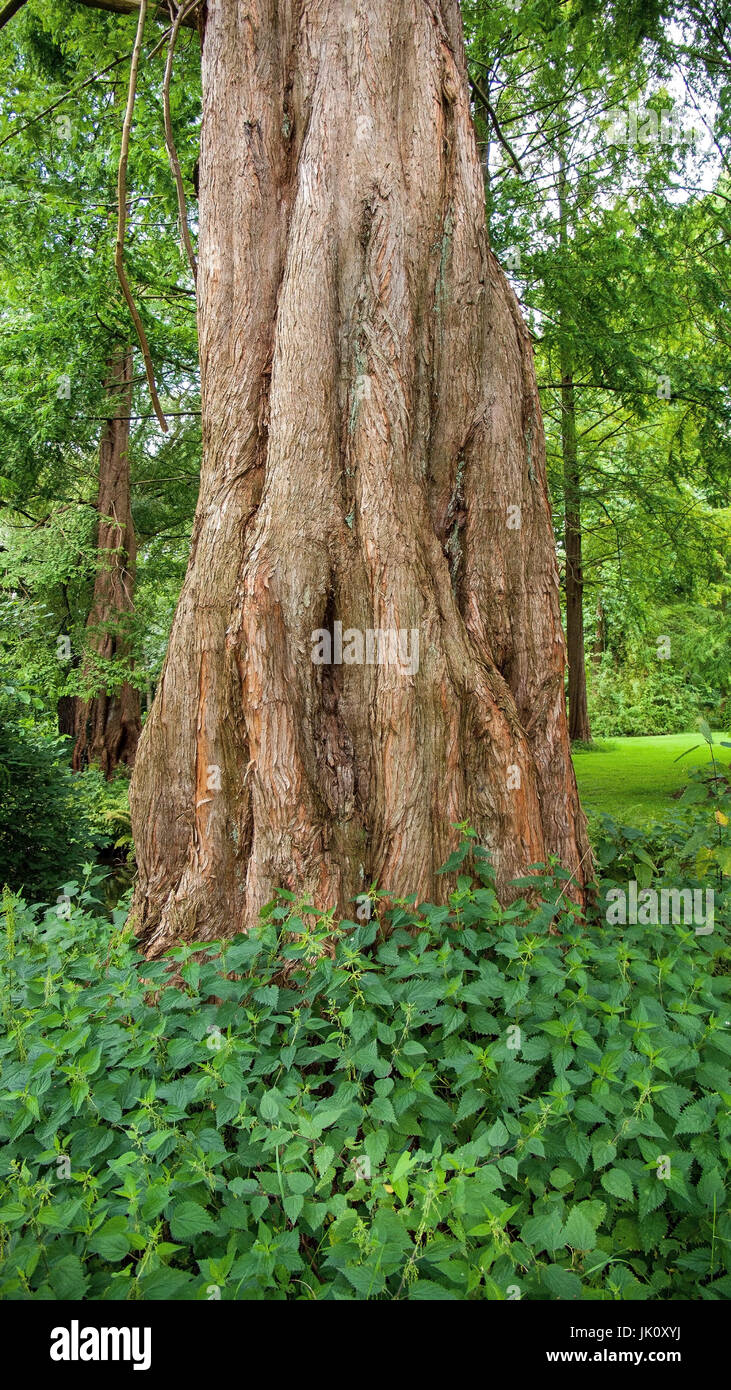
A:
(496, 124)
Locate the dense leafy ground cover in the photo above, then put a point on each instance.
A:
(632, 779)
(455, 1102)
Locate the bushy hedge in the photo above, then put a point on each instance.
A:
(627, 700)
(47, 822)
(462, 1102)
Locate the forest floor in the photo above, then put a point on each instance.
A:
(633, 779)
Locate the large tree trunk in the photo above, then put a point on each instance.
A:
(108, 724)
(373, 455)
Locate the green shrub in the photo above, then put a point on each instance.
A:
(626, 700)
(47, 828)
(476, 1104)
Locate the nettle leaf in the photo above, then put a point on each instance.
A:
(366, 1279)
(672, 1098)
(579, 1229)
(111, 1240)
(651, 1193)
(498, 1134)
(293, 1205)
(188, 1220)
(456, 859)
(166, 1283)
(544, 1231)
(380, 1109)
(68, 1279)
(619, 1184)
(695, 1119)
(299, 1182)
(471, 1101)
(588, 1111)
(428, 1289)
(578, 1146)
(13, 1213)
(602, 1152)
(711, 1188)
(323, 1158)
(375, 990)
(652, 1228)
(561, 1178)
(562, 1283)
(269, 1105)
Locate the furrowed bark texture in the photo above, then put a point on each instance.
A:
(108, 725)
(373, 455)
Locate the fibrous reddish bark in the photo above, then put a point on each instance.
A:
(108, 723)
(373, 455)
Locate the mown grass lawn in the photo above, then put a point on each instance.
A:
(632, 779)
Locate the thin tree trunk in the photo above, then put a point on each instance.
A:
(579, 727)
(578, 708)
(373, 455)
(66, 705)
(600, 634)
(108, 724)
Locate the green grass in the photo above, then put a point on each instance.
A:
(632, 779)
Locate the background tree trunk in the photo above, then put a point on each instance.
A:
(600, 634)
(107, 725)
(373, 455)
(66, 706)
(579, 726)
(578, 707)
(66, 710)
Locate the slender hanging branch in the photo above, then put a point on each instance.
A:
(125, 7)
(9, 10)
(183, 12)
(47, 110)
(496, 124)
(122, 219)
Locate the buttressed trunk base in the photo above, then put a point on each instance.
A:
(372, 456)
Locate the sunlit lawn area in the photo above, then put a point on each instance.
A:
(633, 779)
